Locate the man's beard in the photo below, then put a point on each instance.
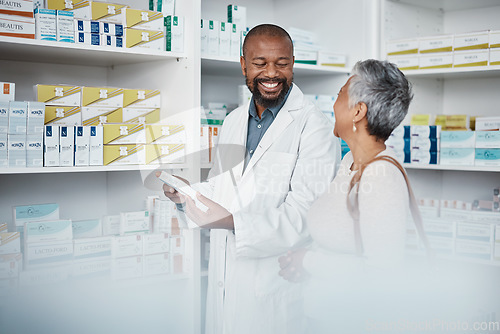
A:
(261, 100)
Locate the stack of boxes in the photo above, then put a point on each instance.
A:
(480, 48)
(16, 19)
(211, 124)
(424, 143)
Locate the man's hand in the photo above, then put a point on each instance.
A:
(215, 217)
(171, 193)
(291, 266)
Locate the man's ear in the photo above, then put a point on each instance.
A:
(243, 66)
(361, 110)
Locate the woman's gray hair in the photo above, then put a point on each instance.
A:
(385, 91)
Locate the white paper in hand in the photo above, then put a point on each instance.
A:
(182, 188)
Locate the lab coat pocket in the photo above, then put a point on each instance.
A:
(273, 172)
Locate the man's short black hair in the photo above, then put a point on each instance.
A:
(268, 30)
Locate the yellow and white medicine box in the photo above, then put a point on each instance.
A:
(96, 146)
(142, 19)
(3, 227)
(404, 63)
(436, 60)
(136, 222)
(90, 10)
(165, 134)
(144, 39)
(7, 91)
(126, 268)
(494, 39)
(102, 97)
(155, 243)
(17, 26)
(59, 95)
(141, 115)
(470, 58)
(41, 254)
(60, 115)
(92, 249)
(126, 246)
(117, 155)
(10, 243)
(326, 58)
(471, 41)
(495, 56)
(90, 228)
(51, 146)
(402, 46)
(141, 98)
(165, 153)
(124, 133)
(17, 7)
(156, 264)
(48, 231)
(80, 8)
(101, 115)
(174, 36)
(433, 44)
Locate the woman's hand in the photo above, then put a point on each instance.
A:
(291, 266)
(215, 217)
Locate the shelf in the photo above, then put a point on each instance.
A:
(494, 169)
(231, 67)
(86, 169)
(456, 73)
(23, 49)
(450, 5)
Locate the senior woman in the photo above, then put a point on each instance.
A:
(372, 103)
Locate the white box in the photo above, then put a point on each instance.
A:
(36, 118)
(455, 214)
(487, 157)
(440, 245)
(17, 26)
(475, 231)
(439, 228)
(59, 95)
(494, 39)
(165, 134)
(17, 7)
(405, 63)
(425, 157)
(88, 38)
(90, 228)
(34, 213)
(436, 60)
(127, 268)
(91, 268)
(4, 118)
(10, 243)
(141, 115)
(237, 15)
(101, 115)
(82, 145)
(45, 24)
(96, 146)
(471, 58)
(61, 115)
(7, 92)
(458, 139)
(41, 254)
(87, 26)
(425, 131)
(155, 243)
(157, 264)
(494, 57)
(136, 222)
(234, 41)
(16, 150)
(65, 27)
(204, 37)
(433, 44)
(4, 158)
(166, 7)
(144, 39)
(306, 57)
(18, 117)
(485, 217)
(111, 225)
(165, 154)
(126, 246)
(326, 58)
(162, 220)
(51, 146)
(67, 146)
(457, 156)
(102, 97)
(142, 19)
(174, 33)
(224, 39)
(213, 38)
(92, 249)
(112, 41)
(10, 265)
(111, 29)
(402, 46)
(34, 150)
(424, 144)
(487, 123)
(472, 40)
(124, 134)
(141, 98)
(473, 249)
(487, 139)
(47, 231)
(42, 277)
(124, 154)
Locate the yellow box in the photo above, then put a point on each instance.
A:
(469, 58)
(142, 19)
(124, 155)
(436, 60)
(432, 44)
(90, 10)
(494, 39)
(102, 97)
(408, 62)
(165, 134)
(495, 56)
(146, 39)
(141, 115)
(402, 47)
(165, 154)
(141, 98)
(101, 115)
(471, 41)
(420, 119)
(124, 133)
(59, 95)
(61, 115)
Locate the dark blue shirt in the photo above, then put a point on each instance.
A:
(257, 127)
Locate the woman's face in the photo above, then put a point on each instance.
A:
(343, 115)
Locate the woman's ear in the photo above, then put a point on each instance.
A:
(360, 113)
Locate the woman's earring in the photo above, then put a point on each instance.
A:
(353, 126)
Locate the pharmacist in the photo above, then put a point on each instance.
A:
(276, 155)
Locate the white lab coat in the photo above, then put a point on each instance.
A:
(293, 164)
